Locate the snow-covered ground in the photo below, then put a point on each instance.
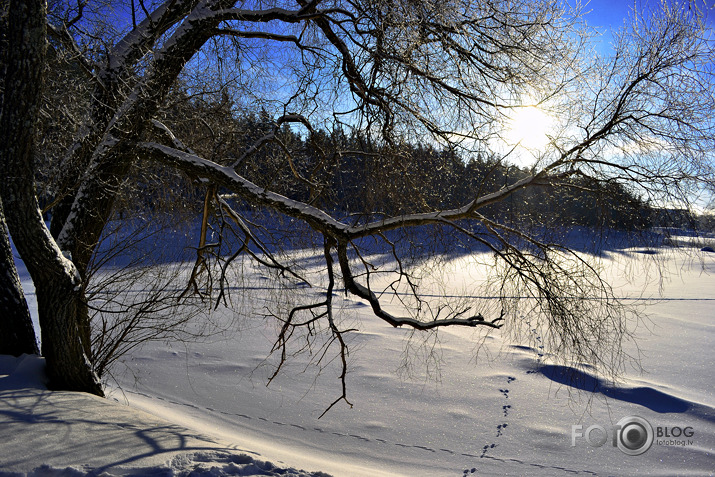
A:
(68, 434)
(432, 407)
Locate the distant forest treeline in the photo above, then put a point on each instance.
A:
(350, 173)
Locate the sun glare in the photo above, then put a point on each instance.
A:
(528, 128)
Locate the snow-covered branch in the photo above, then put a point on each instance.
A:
(140, 39)
(319, 220)
(226, 176)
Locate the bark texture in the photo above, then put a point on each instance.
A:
(17, 335)
(59, 289)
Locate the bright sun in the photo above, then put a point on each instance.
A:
(528, 128)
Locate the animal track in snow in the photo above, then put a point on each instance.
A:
(486, 448)
(500, 427)
(473, 470)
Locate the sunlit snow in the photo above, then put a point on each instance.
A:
(204, 407)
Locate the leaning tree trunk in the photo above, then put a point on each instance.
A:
(60, 297)
(17, 335)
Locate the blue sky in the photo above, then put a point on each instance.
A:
(603, 14)
(607, 15)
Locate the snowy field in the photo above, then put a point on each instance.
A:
(442, 406)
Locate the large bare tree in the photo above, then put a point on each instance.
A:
(453, 74)
(57, 282)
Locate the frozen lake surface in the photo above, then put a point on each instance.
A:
(462, 402)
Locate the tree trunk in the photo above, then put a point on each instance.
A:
(60, 298)
(17, 335)
(60, 303)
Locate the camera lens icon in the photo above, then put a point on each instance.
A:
(634, 435)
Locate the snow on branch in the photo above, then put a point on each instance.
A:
(259, 16)
(227, 177)
(135, 44)
(317, 218)
(260, 35)
(335, 231)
